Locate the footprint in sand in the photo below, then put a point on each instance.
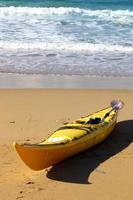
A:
(30, 183)
(20, 197)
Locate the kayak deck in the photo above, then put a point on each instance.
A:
(78, 128)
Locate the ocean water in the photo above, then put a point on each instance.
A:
(67, 37)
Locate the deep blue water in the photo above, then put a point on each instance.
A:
(85, 37)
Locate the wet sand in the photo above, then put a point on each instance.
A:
(10, 80)
(30, 115)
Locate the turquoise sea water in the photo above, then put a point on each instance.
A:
(93, 4)
(84, 37)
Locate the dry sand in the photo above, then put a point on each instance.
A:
(105, 172)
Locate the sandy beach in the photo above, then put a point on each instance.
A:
(30, 115)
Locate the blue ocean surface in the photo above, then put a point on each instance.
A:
(67, 37)
(92, 4)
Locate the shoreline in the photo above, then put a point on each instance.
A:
(64, 81)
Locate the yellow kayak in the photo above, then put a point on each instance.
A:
(69, 140)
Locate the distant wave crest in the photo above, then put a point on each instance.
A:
(121, 16)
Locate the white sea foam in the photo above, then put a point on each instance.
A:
(66, 41)
(59, 61)
(76, 47)
(119, 16)
(66, 25)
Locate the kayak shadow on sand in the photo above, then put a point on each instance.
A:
(78, 168)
